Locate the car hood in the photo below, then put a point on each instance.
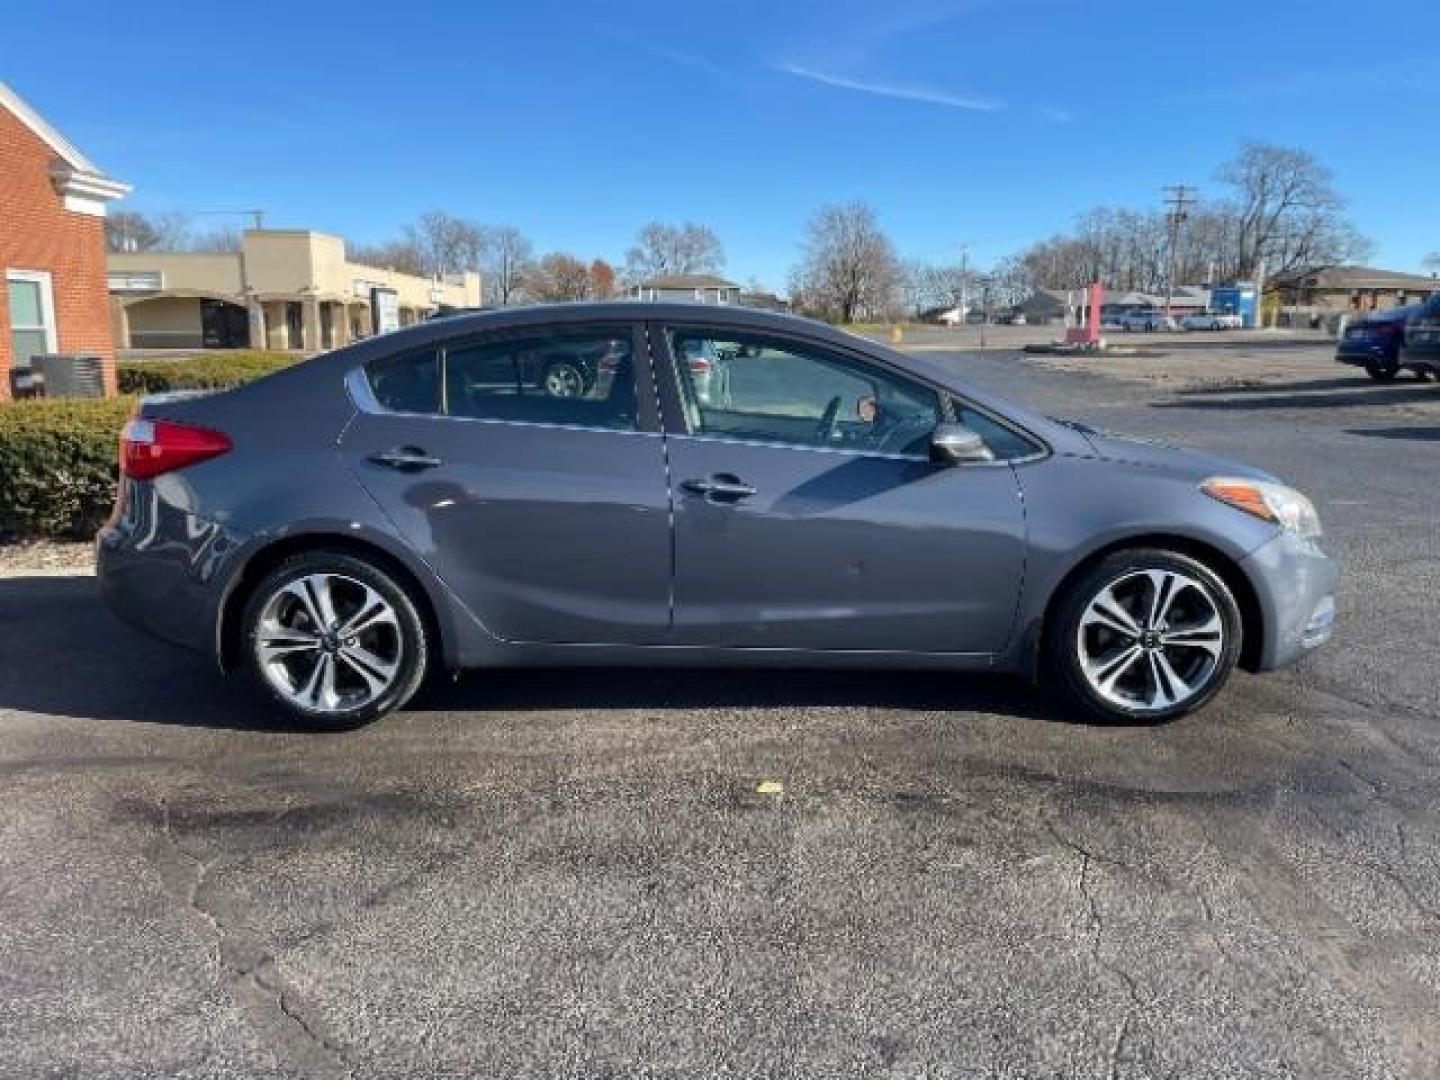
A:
(1173, 459)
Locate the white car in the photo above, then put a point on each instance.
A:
(1147, 320)
(1211, 320)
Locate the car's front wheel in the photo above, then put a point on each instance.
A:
(1144, 635)
(333, 640)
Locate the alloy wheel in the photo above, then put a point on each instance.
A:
(564, 381)
(329, 643)
(1151, 640)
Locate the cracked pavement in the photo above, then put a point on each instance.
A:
(571, 873)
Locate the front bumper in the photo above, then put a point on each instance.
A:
(1295, 584)
(163, 569)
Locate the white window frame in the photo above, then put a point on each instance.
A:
(47, 304)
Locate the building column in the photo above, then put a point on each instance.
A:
(312, 342)
(256, 311)
(339, 325)
(120, 323)
(276, 328)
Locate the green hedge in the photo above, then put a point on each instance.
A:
(58, 463)
(215, 372)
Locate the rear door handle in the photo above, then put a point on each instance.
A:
(722, 487)
(406, 459)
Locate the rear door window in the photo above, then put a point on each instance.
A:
(583, 378)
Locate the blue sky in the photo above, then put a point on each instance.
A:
(991, 122)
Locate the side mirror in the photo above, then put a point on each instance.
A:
(955, 444)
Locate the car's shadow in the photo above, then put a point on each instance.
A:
(1409, 434)
(1335, 392)
(63, 654)
(1336, 382)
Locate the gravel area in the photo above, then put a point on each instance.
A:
(46, 557)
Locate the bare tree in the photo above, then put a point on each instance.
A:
(222, 238)
(673, 249)
(447, 244)
(1289, 215)
(1010, 283)
(400, 255)
(130, 230)
(1431, 262)
(940, 285)
(849, 268)
(506, 255)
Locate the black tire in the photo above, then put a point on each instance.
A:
(1062, 664)
(1426, 374)
(414, 647)
(1381, 372)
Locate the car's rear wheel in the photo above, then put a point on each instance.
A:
(1145, 635)
(1381, 372)
(333, 640)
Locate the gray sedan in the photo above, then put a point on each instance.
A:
(420, 502)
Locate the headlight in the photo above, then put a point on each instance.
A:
(1275, 503)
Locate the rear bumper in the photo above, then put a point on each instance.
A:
(162, 569)
(1363, 357)
(1295, 583)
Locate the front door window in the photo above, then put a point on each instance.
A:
(747, 387)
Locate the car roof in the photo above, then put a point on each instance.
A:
(555, 315)
(1395, 314)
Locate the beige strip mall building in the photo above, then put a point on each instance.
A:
(284, 289)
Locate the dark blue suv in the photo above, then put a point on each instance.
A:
(1385, 343)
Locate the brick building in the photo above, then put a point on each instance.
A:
(1354, 289)
(53, 295)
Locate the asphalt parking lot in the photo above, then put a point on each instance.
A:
(572, 873)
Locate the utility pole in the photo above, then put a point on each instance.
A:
(1177, 198)
(964, 284)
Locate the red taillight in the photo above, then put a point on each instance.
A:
(151, 447)
(700, 366)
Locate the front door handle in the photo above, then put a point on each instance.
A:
(722, 487)
(406, 459)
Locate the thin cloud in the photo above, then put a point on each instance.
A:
(889, 90)
(1054, 115)
(674, 56)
